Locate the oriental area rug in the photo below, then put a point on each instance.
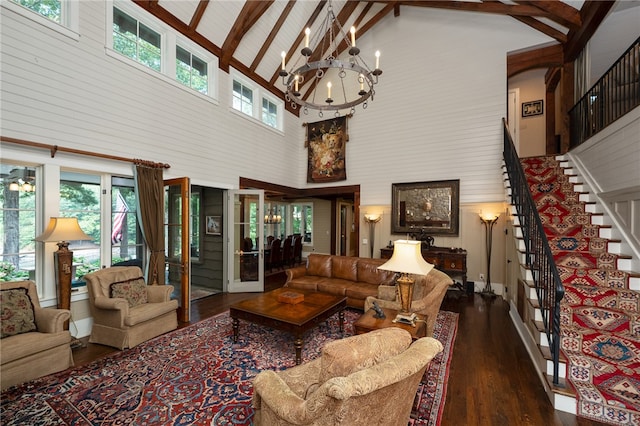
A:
(599, 314)
(196, 376)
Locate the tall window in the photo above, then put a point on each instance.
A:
(80, 198)
(269, 113)
(302, 221)
(17, 224)
(126, 238)
(136, 40)
(191, 70)
(242, 98)
(50, 9)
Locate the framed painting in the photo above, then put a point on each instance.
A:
(430, 208)
(327, 150)
(532, 108)
(214, 225)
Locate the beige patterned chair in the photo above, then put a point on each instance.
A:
(368, 379)
(34, 342)
(126, 311)
(428, 292)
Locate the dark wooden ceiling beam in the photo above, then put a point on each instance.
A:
(564, 14)
(546, 57)
(272, 35)
(543, 28)
(248, 16)
(198, 14)
(164, 15)
(495, 7)
(592, 15)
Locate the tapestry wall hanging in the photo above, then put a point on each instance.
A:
(326, 142)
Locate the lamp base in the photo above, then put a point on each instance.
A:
(406, 318)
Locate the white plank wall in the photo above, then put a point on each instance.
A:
(436, 113)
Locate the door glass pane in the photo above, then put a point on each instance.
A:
(246, 245)
(173, 239)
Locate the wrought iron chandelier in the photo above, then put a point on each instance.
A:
(353, 81)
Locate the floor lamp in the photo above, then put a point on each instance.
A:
(62, 230)
(372, 219)
(489, 221)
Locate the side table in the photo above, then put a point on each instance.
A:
(367, 322)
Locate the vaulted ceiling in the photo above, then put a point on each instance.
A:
(249, 35)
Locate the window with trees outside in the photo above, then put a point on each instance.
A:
(50, 9)
(191, 70)
(18, 223)
(242, 98)
(80, 198)
(302, 221)
(269, 113)
(136, 40)
(127, 244)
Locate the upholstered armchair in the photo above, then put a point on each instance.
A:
(366, 379)
(126, 311)
(34, 341)
(428, 292)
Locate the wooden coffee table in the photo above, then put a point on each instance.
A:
(296, 319)
(367, 323)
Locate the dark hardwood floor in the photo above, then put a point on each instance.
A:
(492, 380)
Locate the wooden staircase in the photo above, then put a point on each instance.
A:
(527, 315)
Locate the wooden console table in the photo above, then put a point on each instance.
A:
(451, 261)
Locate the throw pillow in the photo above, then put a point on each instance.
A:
(133, 290)
(341, 358)
(17, 312)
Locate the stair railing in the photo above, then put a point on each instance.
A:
(615, 94)
(539, 259)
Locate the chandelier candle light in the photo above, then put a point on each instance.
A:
(407, 260)
(356, 80)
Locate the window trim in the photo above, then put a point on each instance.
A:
(259, 93)
(169, 40)
(70, 17)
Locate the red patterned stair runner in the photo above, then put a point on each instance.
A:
(600, 316)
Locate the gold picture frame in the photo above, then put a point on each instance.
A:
(430, 208)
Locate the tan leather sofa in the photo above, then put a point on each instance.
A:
(29, 355)
(353, 277)
(365, 379)
(119, 324)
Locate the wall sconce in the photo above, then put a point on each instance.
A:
(372, 219)
(488, 220)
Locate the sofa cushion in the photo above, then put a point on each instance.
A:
(17, 312)
(133, 290)
(20, 346)
(341, 358)
(368, 272)
(319, 265)
(345, 268)
(361, 291)
(334, 286)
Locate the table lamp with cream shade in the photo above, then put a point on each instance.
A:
(61, 230)
(408, 261)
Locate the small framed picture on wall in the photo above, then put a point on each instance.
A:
(532, 108)
(214, 225)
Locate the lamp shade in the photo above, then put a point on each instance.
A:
(63, 229)
(407, 258)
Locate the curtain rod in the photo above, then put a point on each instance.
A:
(55, 148)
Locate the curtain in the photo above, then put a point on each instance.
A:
(150, 195)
